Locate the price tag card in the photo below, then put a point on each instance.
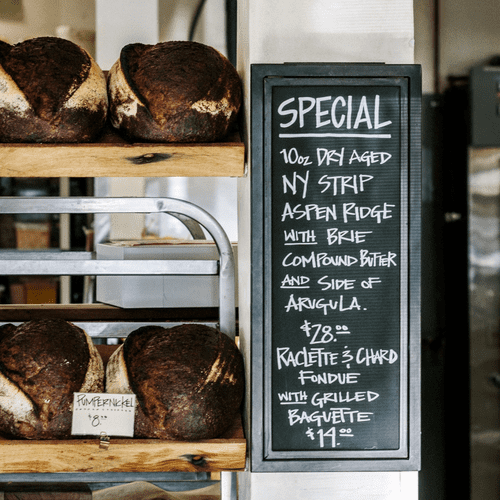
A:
(95, 414)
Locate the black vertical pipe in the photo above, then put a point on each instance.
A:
(231, 18)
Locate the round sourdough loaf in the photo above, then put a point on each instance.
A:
(42, 363)
(51, 90)
(173, 92)
(188, 380)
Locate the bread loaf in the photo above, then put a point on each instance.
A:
(42, 363)
(188, 380)
(173, 92)
(51, 90)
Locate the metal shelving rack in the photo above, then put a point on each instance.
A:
(82, 460)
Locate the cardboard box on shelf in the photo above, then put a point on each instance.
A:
(32, 235)
(34, 290)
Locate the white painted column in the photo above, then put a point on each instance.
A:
(315, 31)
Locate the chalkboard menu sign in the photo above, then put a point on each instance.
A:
(335, 170)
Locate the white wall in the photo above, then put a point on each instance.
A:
(333, 486)
(424, 41)
(468, 33)
(334, 30)
(32, 18)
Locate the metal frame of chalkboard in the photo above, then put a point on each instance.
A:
(407, 80)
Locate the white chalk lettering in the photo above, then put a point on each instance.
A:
(316, 356)
(294, 237)
(328, 377)
(370, 157)
(330, 156)
(309, 212)
(300, 304)
(351, 211)
(377, 259)
(331, 416)
(338, 114)
(341, 184)
(287, 398)
(293, 184)
(321, 334)
(328, 283)
(324, 398)
(316, 260)
(334, 236)
(292, 157)
(380, 356)
(295, 281)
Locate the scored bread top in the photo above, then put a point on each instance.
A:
(188, 380)
(51, 90)
(42, 363)
(174, 92)
(48, 71)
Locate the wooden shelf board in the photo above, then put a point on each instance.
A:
(112, 156)
(103, 312)
(125, 455)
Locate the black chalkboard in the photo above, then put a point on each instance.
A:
(335, 266)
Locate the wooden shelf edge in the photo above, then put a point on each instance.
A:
(103, 312)
(111, 157)
(123, 455)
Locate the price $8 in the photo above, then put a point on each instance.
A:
(96, 420)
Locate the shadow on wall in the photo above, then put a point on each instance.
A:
(11, 10)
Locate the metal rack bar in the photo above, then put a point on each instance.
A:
(24, 267)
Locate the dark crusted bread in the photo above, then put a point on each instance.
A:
(51, 90)
(42, 363)
(173, 92)
(188, 380)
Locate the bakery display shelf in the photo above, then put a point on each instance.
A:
(87, 455)
(113, 156)
(90, 457)
(226, 453)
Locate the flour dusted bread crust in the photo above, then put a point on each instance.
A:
(42, 363)
(51, 90)
(173, 92)
(188, 380)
